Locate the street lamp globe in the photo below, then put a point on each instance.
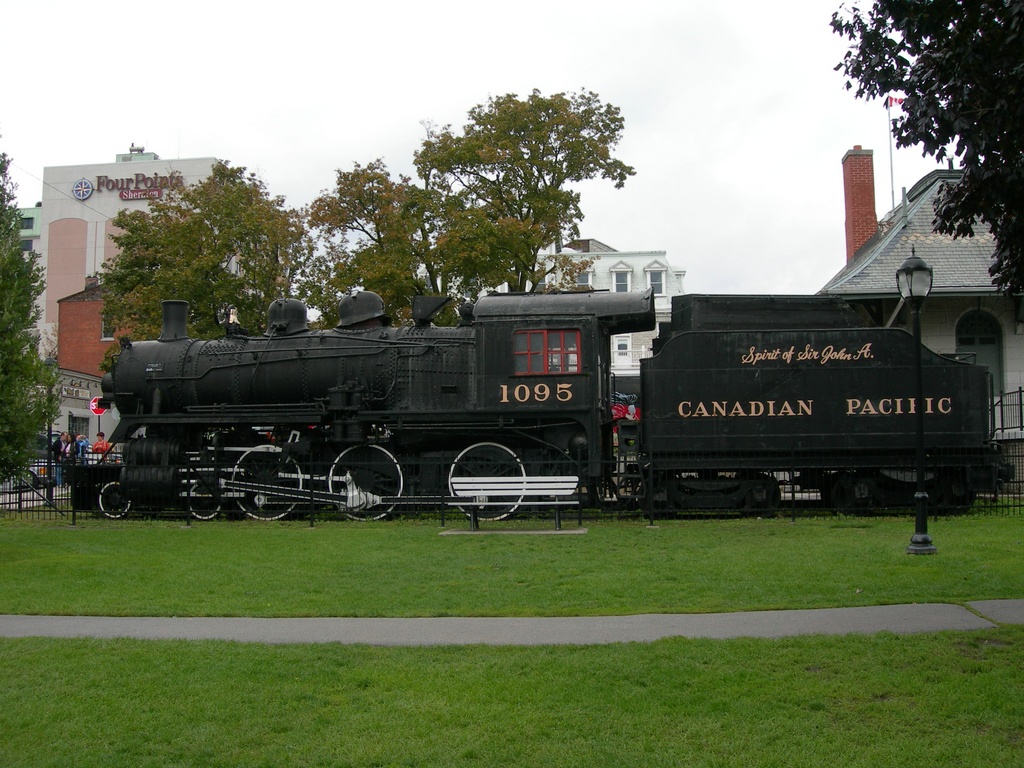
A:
(914, 278)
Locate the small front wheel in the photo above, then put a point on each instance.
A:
(203, 501)
(113, 504)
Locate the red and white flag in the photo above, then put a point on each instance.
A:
(894, 101)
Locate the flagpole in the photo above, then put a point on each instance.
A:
(892, 176)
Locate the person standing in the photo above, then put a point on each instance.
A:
(62, 454)
(101, 445)
(81, 449)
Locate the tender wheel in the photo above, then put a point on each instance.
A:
(954, 491)
(767, 495)
(849, 491)
(203, 499)
(487, 460)
(269, 485)
(113, 504)
(373, 470)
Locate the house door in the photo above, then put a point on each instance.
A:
(979, 334)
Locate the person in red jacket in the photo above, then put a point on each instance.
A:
(101, 445)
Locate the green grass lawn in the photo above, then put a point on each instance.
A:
(941, 699)
(399, 569)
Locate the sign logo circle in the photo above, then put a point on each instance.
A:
(82, 189)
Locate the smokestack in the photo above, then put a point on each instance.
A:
(175, 314)
(859, 189)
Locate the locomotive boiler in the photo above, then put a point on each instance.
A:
(366, 416)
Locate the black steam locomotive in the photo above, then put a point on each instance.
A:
(514, 406)
(511, 406)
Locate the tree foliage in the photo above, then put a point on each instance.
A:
(222, 242)
(486, 203)
(27, 382)
(377, 230)
(960, 66)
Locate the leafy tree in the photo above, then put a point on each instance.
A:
(960, 65)
(28, 383)
(221, 242)
(374, 230)
(485, 205)
(509, 175)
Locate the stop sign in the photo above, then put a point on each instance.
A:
(95, 407)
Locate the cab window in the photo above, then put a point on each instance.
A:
(545, 351)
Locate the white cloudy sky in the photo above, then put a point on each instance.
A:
(736, 122)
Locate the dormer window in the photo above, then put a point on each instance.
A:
(656, 282)
(622, 277)
(656, 272)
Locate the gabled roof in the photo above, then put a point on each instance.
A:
(92, 293)
(589, 245)
(960, 266)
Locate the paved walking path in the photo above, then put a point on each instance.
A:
(901, 619)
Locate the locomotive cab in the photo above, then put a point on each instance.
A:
(544, 366)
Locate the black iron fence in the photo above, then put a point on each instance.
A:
(373, 489)
(45, 489)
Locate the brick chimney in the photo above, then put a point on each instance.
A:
(859, 189)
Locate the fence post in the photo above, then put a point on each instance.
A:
(649, 490)
(72, 471)
(190, 483)
(312, 494)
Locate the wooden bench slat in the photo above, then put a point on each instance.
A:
(562, 485)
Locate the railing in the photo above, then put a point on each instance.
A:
(308, 491)
(30, 494)
(1008, 412)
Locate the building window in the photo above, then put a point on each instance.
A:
(78, 425)
(540, 352)
(583, 279)
(26, 246)
(27, 222)
(656, 281)
(621, 282)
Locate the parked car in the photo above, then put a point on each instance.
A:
(40, 465)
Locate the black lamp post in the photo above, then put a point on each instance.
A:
(51, 363)
(914, 279)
